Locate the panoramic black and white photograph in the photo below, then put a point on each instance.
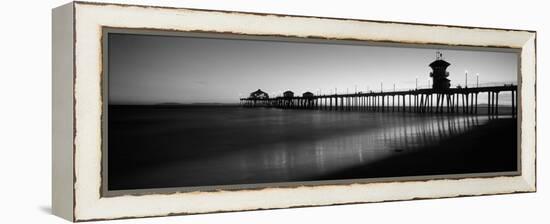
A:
(192, 111)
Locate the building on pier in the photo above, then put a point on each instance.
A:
(259, 94)
(308, 95)
(439, 73)
(288, 94)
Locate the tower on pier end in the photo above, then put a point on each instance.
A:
(439, 74)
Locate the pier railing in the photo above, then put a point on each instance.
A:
(454, 100)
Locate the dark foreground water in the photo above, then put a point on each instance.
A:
(159, 147)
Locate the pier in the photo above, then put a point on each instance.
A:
(440, 98)
(452, 100)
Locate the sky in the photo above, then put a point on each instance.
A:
(150, 69)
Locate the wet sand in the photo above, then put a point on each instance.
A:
(485, 149)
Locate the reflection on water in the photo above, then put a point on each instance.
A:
(307, 160)
(270, 145)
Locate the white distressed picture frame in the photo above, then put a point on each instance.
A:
(77, 115)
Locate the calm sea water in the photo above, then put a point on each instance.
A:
(156, 147)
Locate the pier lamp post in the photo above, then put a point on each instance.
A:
(381, 86)
(477, 79)
(466, 79)
(416, 83)
(356, 89)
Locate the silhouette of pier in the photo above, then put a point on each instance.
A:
(441, 98)
(455, 100)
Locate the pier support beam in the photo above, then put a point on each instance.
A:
(476, 104)
(496, 105)
(489, 95)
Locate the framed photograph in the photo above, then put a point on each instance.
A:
(166, 111)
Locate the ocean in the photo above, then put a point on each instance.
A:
(184, 146)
